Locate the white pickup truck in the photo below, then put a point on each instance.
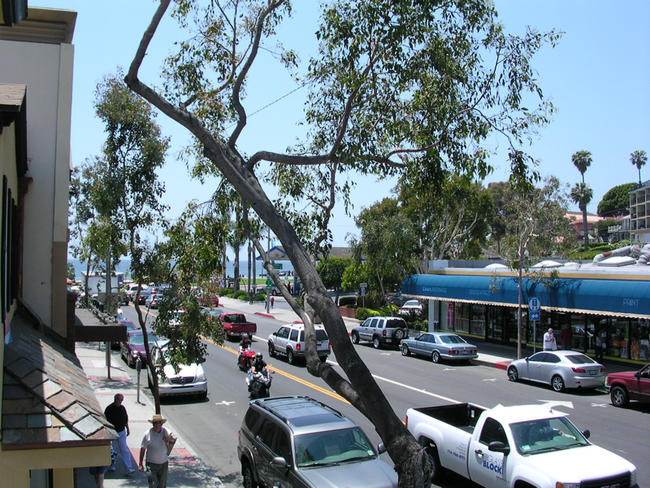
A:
(518, 447)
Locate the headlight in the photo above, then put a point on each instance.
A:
(200, 377)
(567, 485)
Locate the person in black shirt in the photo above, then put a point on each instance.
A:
(116, 414)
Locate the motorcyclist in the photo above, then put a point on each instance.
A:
(244, 343)
(258, 367)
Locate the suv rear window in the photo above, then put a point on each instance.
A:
(321, 335)
(395, 323)
(251, 418)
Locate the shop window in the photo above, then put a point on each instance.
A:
(477, 325)
(495, 324)
(462, 317)
(619, 339)
(644, 340)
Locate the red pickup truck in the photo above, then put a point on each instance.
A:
(235, 324)
(629, 385)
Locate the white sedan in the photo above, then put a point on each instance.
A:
(411, 306)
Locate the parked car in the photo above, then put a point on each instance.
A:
(560, 369)
(130, 325)
(300, 442)
(380, 331)
(397, 299)
(289, 340)
(412, 306)
(629, 385)
(189, 380)
(133, 347)
(440, 345)
(153, 300)
(212, 312)
(144, 294)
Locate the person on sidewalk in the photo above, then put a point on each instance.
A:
(272, 302)
(116, 414)
(156, 444)
(566, 338)
(549, 341)
(98, 472)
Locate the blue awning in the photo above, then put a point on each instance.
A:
(596, 296)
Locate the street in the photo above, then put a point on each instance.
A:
(211, 426)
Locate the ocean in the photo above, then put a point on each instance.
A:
(123, 267)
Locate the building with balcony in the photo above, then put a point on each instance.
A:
(640, 213)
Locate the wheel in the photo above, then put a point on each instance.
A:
(290, 357)
(435, 356)
(557, 383)
(405, 350)
(131, 362)
(355, 338)
(247, 474)
(271, 350)
(399, 335)
(437, 471)
(376, 342)
(513, 374)
(619, 396)
(274, 293)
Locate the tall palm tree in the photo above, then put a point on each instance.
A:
(638, 159)
(582, 195)
(582, 160)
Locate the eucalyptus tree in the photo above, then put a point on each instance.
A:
(582, 194)
(638, 159)
(395, 88)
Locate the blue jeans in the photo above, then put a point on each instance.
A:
(157, 475)
(124, 449)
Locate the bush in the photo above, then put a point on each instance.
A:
(240, 295)
(223, 292)
(421, 325)
(346, 301)
(363, 313)
(260, 297)
(385, 310)
(583, 256)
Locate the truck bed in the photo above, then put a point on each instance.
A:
(462, 416)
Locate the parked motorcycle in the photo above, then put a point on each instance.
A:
(260, 385)
(245, 359)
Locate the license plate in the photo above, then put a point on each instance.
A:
(593, 372)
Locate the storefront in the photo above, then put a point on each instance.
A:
(589, 302)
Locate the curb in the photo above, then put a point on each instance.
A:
(502, 365)
(264, 314)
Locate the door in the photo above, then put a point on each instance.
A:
(487, 468)
(281, 339)
(532, 366)
(421, 345)
(368, 328)
(641, 390)
(272, 442)
(547, 368)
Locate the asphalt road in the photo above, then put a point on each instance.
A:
(211, 426)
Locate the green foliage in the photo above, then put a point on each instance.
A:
(583, 255)
(71, 272)
(616, 202)
(639, 159)
(364, 313)
(355, 274)
(331, 270)
(346, 301)
(222, 292)
(240, 295)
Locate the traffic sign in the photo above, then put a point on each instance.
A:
(534, 308)
(363, 285)
(533, 315)
(269, 282)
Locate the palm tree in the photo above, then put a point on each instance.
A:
(582, 195)
(582, 160)
(638, 159)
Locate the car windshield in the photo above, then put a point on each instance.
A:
(412, 303)
(138, 339)
(452, 339)
(332, 447)
(580, 359)
(545, 435)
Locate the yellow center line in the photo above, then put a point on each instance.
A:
(290, 376)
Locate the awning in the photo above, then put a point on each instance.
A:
(608, 297)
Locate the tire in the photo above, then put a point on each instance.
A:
(247, 474)
(557, 383)
(271, 350)
(513, 374)
(274, 293)
(355, 338)
(435, 356)
(405, 350)
(131, 362)
(291, 359)
(619, 396)
(437, 471)
(398, 335)
(376, 343)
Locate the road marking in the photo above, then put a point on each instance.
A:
(601, 405)
(224, 403)
(449, 369)
(553, 403)
(490, 379)
(419, 390)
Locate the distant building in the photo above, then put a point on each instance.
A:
(575, 219)
(640, 213)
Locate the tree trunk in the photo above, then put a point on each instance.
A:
(585, 227)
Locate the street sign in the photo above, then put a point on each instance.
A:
(269, 284)
(363, 285)
(534, 315)
(534, 308)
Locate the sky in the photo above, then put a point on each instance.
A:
(598, 77)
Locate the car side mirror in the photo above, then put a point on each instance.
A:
(381, 448)
(527, 359)
(586, 433)
(498, 446)
(279, 462)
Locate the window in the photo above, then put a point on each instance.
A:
(283, 333)
(267, 431)
(493, 431)
(251, 418)
(294, 335)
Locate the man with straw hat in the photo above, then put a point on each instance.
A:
(157, 443)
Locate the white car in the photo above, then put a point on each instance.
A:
(289, 340)
(190, 379)
(411, 306)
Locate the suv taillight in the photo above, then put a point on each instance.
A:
(383, 332)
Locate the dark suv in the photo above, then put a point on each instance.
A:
(299, 442)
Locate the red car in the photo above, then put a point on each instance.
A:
(134, 346)
(629, 385)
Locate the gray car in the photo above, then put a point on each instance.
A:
(299, 442)
(439, 345)
(560, 369)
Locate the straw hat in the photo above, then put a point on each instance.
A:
(158, 418)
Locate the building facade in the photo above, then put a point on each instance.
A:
(640, 213)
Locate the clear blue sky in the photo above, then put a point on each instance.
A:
(598, 77)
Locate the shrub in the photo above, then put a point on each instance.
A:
(346, 301)
(240, 294)
(260, 297)
(364, 313)
(385, 310)
(225, 292)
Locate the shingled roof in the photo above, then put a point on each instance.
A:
(47, 399)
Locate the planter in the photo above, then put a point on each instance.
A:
(347, 312)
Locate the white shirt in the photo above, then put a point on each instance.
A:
(154, 443)
(549, 342)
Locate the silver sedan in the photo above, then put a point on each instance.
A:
(560, 369)
(439, 345)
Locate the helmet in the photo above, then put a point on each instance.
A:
(258, 355)
(244, 336)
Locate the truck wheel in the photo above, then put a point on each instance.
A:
(355, 338)
(405, 350)
(557, 383)
(376, 342)
(271, 350)
(619, 396)
(435, 356)
(290, 358)
(437, 471)
(513, 374)
(399, 335)
(247, 474)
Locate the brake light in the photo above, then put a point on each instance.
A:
(329, 345)
(383, 332)
(298, 347)
(578, 370)
(453, 351)
(602, 369)
(406, 422)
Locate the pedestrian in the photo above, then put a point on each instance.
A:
(98, 472)
(116, 414)
(600, 344)
(272, 301)
(549, 341)
(566, 338)
(157, 443)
